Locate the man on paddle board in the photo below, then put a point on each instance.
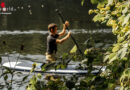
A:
(53, 40)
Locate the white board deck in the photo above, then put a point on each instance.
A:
(27, 66)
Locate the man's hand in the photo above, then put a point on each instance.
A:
(69, 33)
(63, 39)
(67, 23)
(64, 28)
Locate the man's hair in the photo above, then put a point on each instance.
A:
(52, 26)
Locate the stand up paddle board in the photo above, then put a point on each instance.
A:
(26, 66)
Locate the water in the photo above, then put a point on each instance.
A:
(43, 13)
(34, 42)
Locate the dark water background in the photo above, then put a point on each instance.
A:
(43, 13)
(32, 15)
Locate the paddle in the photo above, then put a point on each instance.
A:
(61, 16)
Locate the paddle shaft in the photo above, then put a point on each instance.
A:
(61, 16)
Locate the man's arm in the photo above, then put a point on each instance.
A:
(63, 39)
(64, 28)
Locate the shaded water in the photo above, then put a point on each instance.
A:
(36, 15)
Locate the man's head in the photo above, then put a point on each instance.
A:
(52, 28)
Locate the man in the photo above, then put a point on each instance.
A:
(52, 40)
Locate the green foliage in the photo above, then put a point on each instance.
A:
(74, 49)
(33, 67)
(116, 14)
(82, 2)
(94, 1)
(32, 83)
(125, 78)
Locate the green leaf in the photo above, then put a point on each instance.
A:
(126, 19)
(5, 77)
(39, 75)
(63, 66)
(64, 55)
(86, 52)
(121, 19)
(28, 88)
(116, 48)
(94, 1)
(98, 17)
(124, 51)
(74, 49)
(120, 39)
(101, 4)
(58, 66)
(43, 69)
(82, 2)
(5, 73)
(32, 69)
(112, 57)
(106, 58)
(128, 33)
(24, 78)
(125, 10)
(110, 85)
(110, 2)
(9, 70)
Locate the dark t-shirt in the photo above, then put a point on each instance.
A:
(51, 44)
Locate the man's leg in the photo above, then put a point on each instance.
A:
(50, 58)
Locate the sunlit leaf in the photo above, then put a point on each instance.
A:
(98, 17)
(94, 1)
(100, 5)
(39, 75)
(124, 51)
(74, 49)
(90, 12)
(128, 33)
(120, 39)
(125, 10)
(126, 19)
(110, 2)
(116, 48)
(28, 88)
(82, 2)
(106, 58)
(112, 57)
(86, 52)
